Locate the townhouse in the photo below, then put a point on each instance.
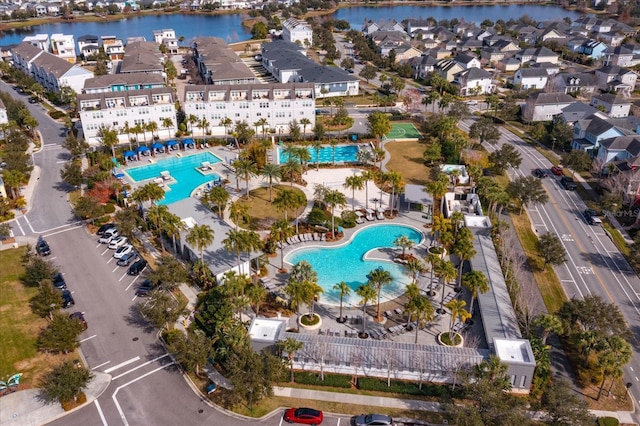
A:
(167, 38)
(531, 78)
(219, 64)
(297, 31)
(123, 82)
(545, 106)
(142, 57)
(612, 105)
(88, 46)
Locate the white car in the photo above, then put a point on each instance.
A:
(122, 251)
(108, 235)
(117, 242)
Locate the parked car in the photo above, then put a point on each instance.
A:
(117, 242)
(108, 235)
(42, 247)
(145, 289)
(373, 420)
(79, 316)
(33, 100)
(568, 183)
(122, 250)
(591, 217)
(350, 70)
(540, 173)
(137, 267)
(59, 282)
(557, 170)
(126, 259)
(104, 228)
(67, 299)
(306, 416)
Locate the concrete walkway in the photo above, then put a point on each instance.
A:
(26, 408)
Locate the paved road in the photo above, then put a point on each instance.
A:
(594, 264)
(48, 207)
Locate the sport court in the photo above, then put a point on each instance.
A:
(402, 131)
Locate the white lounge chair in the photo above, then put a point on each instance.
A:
(370, 215)
(380, 214)
(165, 175)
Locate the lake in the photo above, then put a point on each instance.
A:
(229, 27)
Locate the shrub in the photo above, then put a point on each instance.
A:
(407, 388)
(317, 217)
(308, 322)
(56, 115)
(331, 380)
(608, 421)
(109, 208)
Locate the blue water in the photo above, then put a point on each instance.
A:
(182, 169)
(346, 263)
(229, 27)
(344, 154)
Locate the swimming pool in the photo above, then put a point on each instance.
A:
(347, 262)
(344, 154)
(182, 169)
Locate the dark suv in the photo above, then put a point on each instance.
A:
(145, 289)
(540, 173)
(568, 183)
(591, 217)
(59, 282)
(67, 299)
(137, 267)
(104, 227)
(42, 247)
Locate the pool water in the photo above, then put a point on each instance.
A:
(182, 169)
(344, 154)
(346, 262)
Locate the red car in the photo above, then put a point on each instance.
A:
(557, 170)
(307, 416)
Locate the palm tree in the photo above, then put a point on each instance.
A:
(334, 198)
(271, 172)
(295, 290)
(251, 242)
(367, 176)
(463, 248)
(245, 169)
(263, 124)
(290, 346)
(379, 278)
(437, 188)
(312, 292)
(238, 211)
(203, 124)
(445, 272)
(419, 309)
(317, 146)
(353, 182)
(284, 201)
(343, 290)
(109, 138)
(152, 126)
(226, 123)
(303, 271)
(167, 123)
(367, 293)
(456, 306)
(191, 120)
(304, 122)
(549, 323)
(200, 236)
(156, 215)
(291, 169)
(477, 283)
(218, 197)
(405, 243)
(279, 232)
(393, 179)
(234, 243)
(303, 155)
(415, 267)
(333, 143)
(172, 225)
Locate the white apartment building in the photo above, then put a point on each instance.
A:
(41, 41)
(278, 103)
(114, 109)
(297, 31)
(64, 46)
(3, 113)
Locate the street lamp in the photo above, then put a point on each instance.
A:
(553, 144)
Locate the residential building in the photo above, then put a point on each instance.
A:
(612, 39)
(142, 57)
(593, 49)
(88, 46)
(3, 113)
(467, 61)
(288, 64)
(475, 81)
(617, 149)
(584, 84)
(405, 52)
(545, 106)
(167, 38)
(531, 78)
(114, 109)
(613, 78)
(537, 55)
(614, 106)
(577, 111)
(219, 64)
(123, 82)
(621, 56)
(64, 46)
(41, 41)
(590, 131)
(52, 72)
(448, 69)
(370, 27)
(278, 103)
(297, 31)
(414, 25)
(113, 47)
(422, 66)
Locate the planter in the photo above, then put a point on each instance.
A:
(315, 325)
(341, 320)
(363, 335)
(441, 251)
(458, 341)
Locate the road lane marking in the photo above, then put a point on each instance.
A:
(26, 219)
(100, 413)
(122, 364)
(140, 366)
(115, 394)
(20, 227)
(88, 338)
(281, 418)
(63, 230)
(100, 365)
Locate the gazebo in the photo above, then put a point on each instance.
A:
(418, 196)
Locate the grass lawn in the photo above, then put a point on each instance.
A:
(19, 327)
(262, 212)
(618, 240)
(406, 158)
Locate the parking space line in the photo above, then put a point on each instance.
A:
(100, 365)
(99, 244)
(129, 286)
(100, 413)
(122, 364)
(105, 250)
(140, 366)
(123, 276)
(115, 269)
(280, 421)
(110, 259)
(88, 338)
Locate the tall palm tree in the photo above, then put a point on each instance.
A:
(334, 198)
(304, 122)
(200, 236)
(477, 283)
(353, 182)
(317, 146)
(284, 201)
(245, 169)
(156, 215)
(263, 122)
(238, 211)
(446, 272)
(463, 248)
(456, 306)
(367, 176)
(423, 313)
(167, 123)
(290, 346)
(271, 172)
(434, 263)
(414, 267)
(290, 169)
(217, 197)
(109, 138)
(437, 188)
(379, 278)
(251, 242)
(191, 120)
(234, 243)
(296, 292)
(367, 293)
(226, 123)
(312, 292)
(404, 243)
(302, 152)
(343, 290)
(152, 126)
(395, 181)
(279, 232)
(334, 144)
(172, 225)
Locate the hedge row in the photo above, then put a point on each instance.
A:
(407, 388)
(331, 380)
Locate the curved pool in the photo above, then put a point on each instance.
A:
(349, 262)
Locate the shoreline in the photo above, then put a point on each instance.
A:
(13, 25)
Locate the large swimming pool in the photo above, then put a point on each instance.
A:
(344, 154)
(347, 262)
(182, 169)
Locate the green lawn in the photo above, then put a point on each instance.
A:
(262, 212)
(406, 158)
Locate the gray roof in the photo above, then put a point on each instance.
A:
(613, 69)
(141, 56)
(286, 56)
(475, 74)
(533, 72)
(552, 98)
(53, 64)
(123, 79)
(631, 144)
(221, 62)
(88, 37)
(26, 51)
(416, 194)
(577, 111)
(206, 90)
(102, 97)
(611, 99)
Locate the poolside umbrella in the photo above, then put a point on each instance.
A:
(128, 154)
(170, 143)
(156, 146)
(187, 142)
(142, 148)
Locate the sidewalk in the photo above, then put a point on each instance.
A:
(26, 408)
